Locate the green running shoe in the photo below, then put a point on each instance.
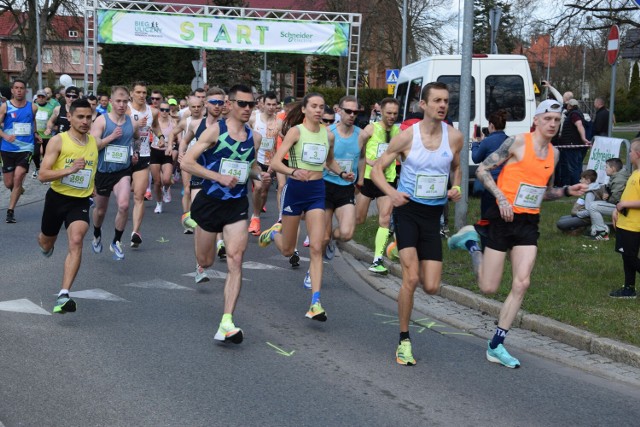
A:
(64, 304)
(378, 267)
(265, 236)
(501, 356)
(404, 355)
(227, 332)
(458, 240)
(316, 312)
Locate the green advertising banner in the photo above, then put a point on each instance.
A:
(221, 32)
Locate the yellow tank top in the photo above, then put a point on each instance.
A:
(376, 145)
(79, 184)
(311, 150)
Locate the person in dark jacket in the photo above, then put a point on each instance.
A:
(482, 149)
(601, 119)
(573, 133)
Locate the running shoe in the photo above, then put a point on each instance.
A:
(34, 175)
(458, 240)
(176, 176)
(188, 224)
(201, 274)
(96, 244)
(166, 195)
(147, 195)
(623, 293)
(307, 281)
(264, 209)
(11, 217)
(501, 356)
(222, 251)
(64, 304)
(404, 355)
(158, 208)
(265, 237)
(378, 267)
(316, 312)
(116, 248)
(254, 226)
(294, 259)
(228, 332)
(330, 250)
(136, 239)
(47, 254)
(600, 235)
(306, 242)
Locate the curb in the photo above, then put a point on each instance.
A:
(566, 334)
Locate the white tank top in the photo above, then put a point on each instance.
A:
(425, 173)
(269, 134)
(193, 141)
(144, 132)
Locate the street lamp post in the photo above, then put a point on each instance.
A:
(546, 92)
(38, 46)
(404, 33)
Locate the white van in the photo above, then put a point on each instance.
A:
(499, 82)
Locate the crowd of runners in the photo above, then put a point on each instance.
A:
(224, 144)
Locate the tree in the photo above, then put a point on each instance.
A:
(634, 84)
(505, 40)
(598, 14)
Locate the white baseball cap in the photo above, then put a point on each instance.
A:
(549, 106)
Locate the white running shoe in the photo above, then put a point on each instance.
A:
(158, 208)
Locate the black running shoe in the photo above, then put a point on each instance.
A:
(11, 218)
(294, 260)
(623, 293)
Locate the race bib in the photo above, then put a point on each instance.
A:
(145, 150)
(382, 147)
(116, 154)
(80, 179)
(431, 186)
(237, 168)
(42, 115)
(345, 165)
(529, 196)
(314, 154)
(22, 129)
(267, 143)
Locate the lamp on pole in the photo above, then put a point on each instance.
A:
(403, 60)
(546, 92)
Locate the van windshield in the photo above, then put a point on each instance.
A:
(409, 96)
(453, 83)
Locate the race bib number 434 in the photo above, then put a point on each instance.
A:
(237, 168)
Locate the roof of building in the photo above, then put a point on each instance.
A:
(61, 25)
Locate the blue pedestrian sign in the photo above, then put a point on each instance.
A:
(392, 75)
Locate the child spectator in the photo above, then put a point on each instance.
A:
(579, 217)
(626, 219)
(618, 177)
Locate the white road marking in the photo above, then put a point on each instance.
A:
(98, 294)
(158, 284)
(23, 305)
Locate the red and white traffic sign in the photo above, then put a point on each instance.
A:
(613, 45)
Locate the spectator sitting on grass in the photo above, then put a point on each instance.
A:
(579, 217)
(618, 177)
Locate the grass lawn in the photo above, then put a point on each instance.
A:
(570, 282)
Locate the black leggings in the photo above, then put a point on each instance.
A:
(628, 245)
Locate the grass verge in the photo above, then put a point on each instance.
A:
(570, 281)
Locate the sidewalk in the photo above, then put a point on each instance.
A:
(477, 315)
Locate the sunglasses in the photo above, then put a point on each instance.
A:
(72, 96)
(219, 102)
(328, 121)
(350, 112)
(164, 110)
(244, 104)
(156, 99)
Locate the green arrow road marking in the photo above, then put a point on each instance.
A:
(421, 325)
(162, 240)
(281, 351)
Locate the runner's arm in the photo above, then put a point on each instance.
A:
(47, 174)
(290, 139)
(494, 160)
(52, 120)
(554, 193)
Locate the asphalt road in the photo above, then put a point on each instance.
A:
(140, 351)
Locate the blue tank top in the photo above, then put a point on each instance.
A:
(116, 156)
(229, 156)
(19, 122)
(346, 151)
(425, 173)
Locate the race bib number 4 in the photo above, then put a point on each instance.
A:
(345, 165)
(237, 168)
(529, 196)
(22, 129)
(431, 186)
(80, 179)
(116, 154)
(314, 154)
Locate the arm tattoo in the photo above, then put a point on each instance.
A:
(494, 160)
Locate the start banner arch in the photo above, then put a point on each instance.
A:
(221, 28)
